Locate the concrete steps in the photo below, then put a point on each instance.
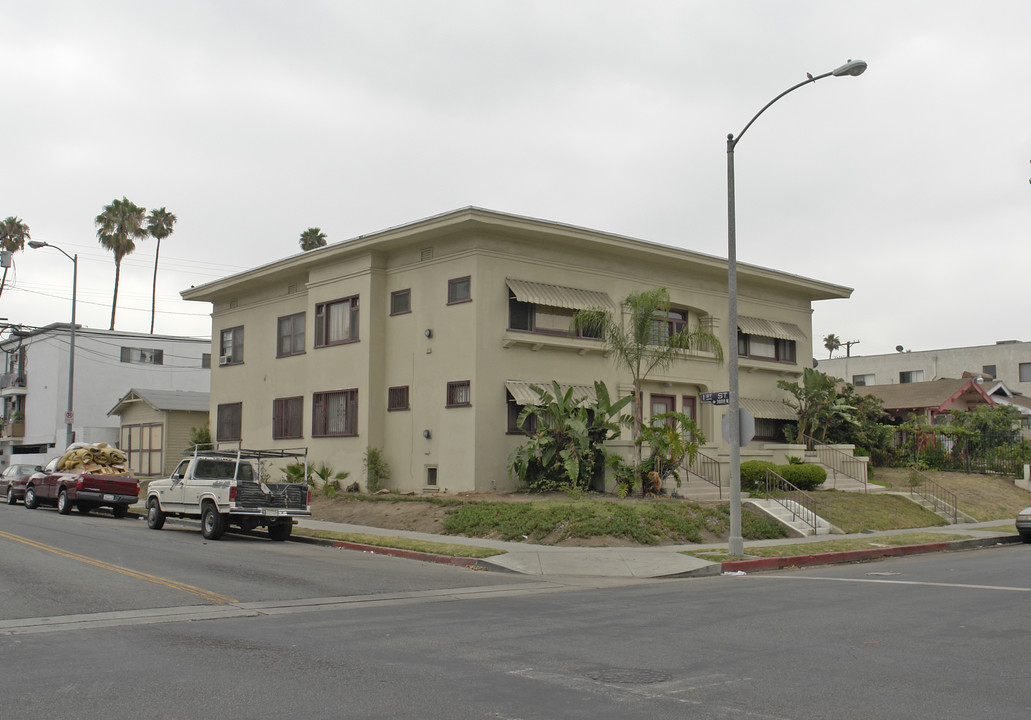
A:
(788, 516)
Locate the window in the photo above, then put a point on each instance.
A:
(336, 322)
(911, 376)
(459, 290)
(765, 348)
(205, 361)
(431, 475)
(543, 318)
(667, 325)
(290, 335)
(229, 422)
(286, 417)
(147, 356)
(529, 425)
(400, 302)
(989, 370)
(397, 398)
(231, 346)
(334, 413)
(458, 394)
(862, 380)
(142, 445)
(1025, 372)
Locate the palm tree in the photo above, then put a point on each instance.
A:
(312, 238)
(159, 226)
(832, 342)
(647, 344)
(119, 226)
(13, 234)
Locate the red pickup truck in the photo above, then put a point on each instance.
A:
(81, 490)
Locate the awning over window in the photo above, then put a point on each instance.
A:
(524, 394)
(558, 295)
(770, 328)
(768, 409)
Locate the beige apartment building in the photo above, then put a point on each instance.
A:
(423, 340)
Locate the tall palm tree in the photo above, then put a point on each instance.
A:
(159, 226)
(312, 238)
(13, 234)
(649, 343)
(832, 342)
(119, 226)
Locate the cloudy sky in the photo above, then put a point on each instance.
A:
(252, 121)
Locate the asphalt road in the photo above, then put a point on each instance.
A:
(95, 623)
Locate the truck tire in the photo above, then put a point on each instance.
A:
(31, 502)
(155, 518)
(64, 505)
(280, 531)
(212, 522)
(120, 511)
(10, 496)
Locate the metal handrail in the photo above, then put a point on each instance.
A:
(800, 504)
(838, 461)
(943, 501)
(705, 467)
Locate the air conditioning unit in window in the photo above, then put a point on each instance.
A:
(225, 359)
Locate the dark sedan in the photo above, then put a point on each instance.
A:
(12, 481)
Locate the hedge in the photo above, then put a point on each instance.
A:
(804, 477)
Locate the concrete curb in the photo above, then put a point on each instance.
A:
(855, 556)
(458, 561)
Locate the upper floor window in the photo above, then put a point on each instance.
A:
(1024, 370)
(334, 413)
(989, 370)
(231, 346)
(911, 376)
(147, 356)
(205, 361)
(765, 348)
(535, 317)
(459, 290)
(290, 335)
(397, 398)
(400, 302)
(862, 380)
(459, 394)
(287, 414)
(668, 324)
(229, 422)
(336, 322)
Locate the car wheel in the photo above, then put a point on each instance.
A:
(30, 498)
(155, 518)
(1026, 537)
(212, 523)
(10, 496)
(64, 506)
(84, 508)
(120, 511)
(280, 531)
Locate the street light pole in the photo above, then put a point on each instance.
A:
(736, 544)
(69, 417)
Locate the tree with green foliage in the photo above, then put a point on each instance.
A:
(312, 238)
(832, 342)
(200, 435)
(816, 403)
(376, 469)
(866, 425)
(119, 226)
(646, 343)
(673, 438)
(13, 234)
(160, 223)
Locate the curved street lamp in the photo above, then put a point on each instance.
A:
(736, 546)
(68, 418)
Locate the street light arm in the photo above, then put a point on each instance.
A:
(36, 244)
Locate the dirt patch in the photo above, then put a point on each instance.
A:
(414, 516)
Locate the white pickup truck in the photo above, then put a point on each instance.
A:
(224, 487)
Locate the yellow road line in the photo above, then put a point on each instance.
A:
(173, 584)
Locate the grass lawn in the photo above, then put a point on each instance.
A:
(985, 497)
(856, 512)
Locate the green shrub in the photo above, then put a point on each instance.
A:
(753, 475)
(804, 477)
(376, 469)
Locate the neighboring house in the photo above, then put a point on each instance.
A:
(1002, 395)
(34, 384)
(155, 427)
(423, 340)
(1009, 361)
(927, 400)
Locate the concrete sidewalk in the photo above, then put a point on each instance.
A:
(660, 561)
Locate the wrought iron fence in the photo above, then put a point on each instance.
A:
(999, 453)
(800, 504)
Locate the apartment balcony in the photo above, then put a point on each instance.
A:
(12, 384)
(13, 429)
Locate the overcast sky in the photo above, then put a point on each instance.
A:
(252, 121)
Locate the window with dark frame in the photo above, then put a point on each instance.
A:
(231, 346)
(336, 322)
(459, 290)
(229, 422)
(459, 394)
(514, 409)
(290, 335)
(666, 325)
(205, 361)
(335, 414)
(401, 302)
(911, 376)
(397, 398)
(144, 356)
(544, 319)
(765, 348)
(287, 417)
(989, 370)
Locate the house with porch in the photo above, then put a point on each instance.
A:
(423, 338)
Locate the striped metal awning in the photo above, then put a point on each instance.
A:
(770, 328)
(768, 409)
(558, 295)
(523, 393)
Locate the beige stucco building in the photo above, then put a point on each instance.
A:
(421, 340)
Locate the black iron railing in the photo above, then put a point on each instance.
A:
(800, 504)
(941, 500)
(706, 468)
(838, 461)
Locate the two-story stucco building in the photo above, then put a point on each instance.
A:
(422, 340)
